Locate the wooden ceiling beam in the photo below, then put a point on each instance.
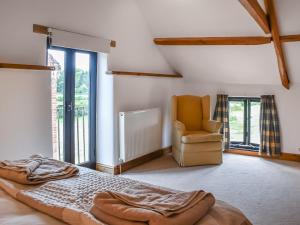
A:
(40, 29)
(126, 73)
(25, 66)
(251, 40)
(269, 4)
(257, 13)
(290, 38)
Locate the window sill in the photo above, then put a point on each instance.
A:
(240, 146)
(244, 149)
(242, 152)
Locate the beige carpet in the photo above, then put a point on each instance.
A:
(267, 191)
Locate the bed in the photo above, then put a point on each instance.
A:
(13, 212)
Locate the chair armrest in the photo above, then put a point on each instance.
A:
(212, 126)
(179, 126)
(178, 130)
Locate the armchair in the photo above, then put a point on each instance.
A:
(195, 138)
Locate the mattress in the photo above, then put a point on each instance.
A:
(13, 212)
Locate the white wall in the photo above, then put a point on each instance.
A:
(136, 93)
(230, 68)
(287, 104)
(119, 20)
(122, 20)
(127, 93)
(25, 114)
(105, 117)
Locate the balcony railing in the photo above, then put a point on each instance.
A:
(81, 133)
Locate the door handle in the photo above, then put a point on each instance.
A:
(70, 107)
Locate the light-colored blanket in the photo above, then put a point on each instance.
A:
(36, 170)
(70, 200)
(144, 204)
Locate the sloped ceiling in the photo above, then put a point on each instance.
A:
(222, 64)
(120, 20)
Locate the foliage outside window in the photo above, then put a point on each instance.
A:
(244, 114)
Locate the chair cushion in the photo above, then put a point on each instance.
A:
(191, 137)
(189, 111)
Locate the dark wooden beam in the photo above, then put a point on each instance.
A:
(25, 66)
(257, 13)
(290, 38)
(126, 73)
(277, 43)
(252, 40)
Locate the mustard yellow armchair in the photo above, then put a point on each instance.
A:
(195, 138)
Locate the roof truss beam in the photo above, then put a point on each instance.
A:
(290, 38)
(252, 40)
(269, 4)
(257, 13)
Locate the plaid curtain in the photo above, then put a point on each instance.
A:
(269, 127)
(222, 114)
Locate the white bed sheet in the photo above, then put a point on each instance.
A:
(13, 212)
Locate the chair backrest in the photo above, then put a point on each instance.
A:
(191, 110)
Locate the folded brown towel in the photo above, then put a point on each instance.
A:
(144, 204)
(36, 169)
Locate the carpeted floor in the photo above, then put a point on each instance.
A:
(267, 191)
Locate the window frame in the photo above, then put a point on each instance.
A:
(69, 152)
(246, 143)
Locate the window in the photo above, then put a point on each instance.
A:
(244, 116)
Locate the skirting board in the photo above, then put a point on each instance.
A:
(283, 156)
(105, 168)
(133, 163)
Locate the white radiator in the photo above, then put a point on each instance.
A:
(140, 133)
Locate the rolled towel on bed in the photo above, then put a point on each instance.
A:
(36, 170)
(143, 204)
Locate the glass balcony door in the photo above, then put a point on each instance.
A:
(73, 105)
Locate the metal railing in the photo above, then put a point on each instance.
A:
(81, 133)
(60, 131)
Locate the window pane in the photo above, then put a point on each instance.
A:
(236, 120)
(56, 58)
(254, 129)
(81, 120)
